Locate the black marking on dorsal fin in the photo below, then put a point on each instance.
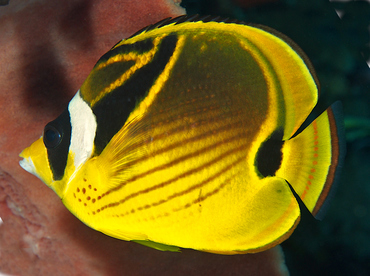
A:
(152, 27)
(235, 21)
(186, 18)
(204, 18)
(181, 19)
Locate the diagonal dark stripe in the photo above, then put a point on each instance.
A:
(113, 110)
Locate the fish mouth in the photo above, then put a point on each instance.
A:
(27, 164)
(35, 161)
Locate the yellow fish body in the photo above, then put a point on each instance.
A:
(183, 135)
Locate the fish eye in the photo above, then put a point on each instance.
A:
(52, 137)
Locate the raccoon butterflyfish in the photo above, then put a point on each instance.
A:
(185, 135)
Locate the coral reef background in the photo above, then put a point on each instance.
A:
(48, 48)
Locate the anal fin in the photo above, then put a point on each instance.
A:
(138, 238)
(158, 246)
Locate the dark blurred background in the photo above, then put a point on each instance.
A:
(336, 38)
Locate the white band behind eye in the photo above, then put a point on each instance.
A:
(83, 123)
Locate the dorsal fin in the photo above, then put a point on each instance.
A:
(186, 18)
(293, 45)
(209, 18)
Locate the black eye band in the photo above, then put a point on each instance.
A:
(57, 138)
(52, 136)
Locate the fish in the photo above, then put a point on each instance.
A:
(188, 134)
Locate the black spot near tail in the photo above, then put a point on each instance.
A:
(269, 155)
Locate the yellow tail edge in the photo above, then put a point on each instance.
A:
(312, 160)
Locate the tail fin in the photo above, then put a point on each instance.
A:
(312, 160)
